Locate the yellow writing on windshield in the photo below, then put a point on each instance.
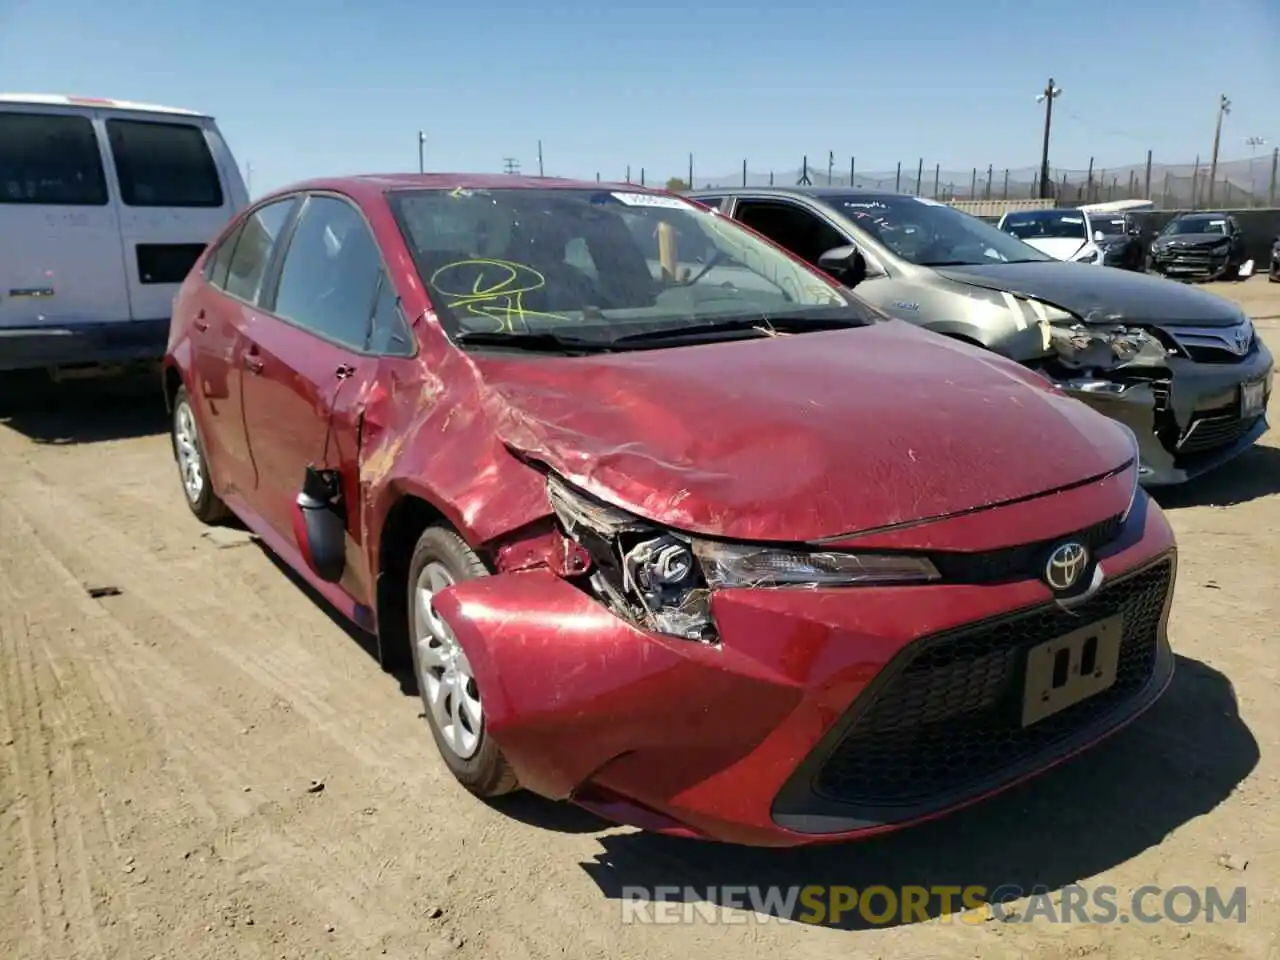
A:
(492, 290)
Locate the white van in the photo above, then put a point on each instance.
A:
(104, 207)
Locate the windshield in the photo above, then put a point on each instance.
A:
(1185, 225)
(929, 233)
(599, 264)
(1046, 224)
(1110, 226)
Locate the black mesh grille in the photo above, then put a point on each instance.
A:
(951, 717)
(1209, 433)
(1025, 561)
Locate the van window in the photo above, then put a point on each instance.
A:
(163, 164)
(51, 159)
(254, 244)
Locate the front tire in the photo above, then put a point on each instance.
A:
(193, 467)
(450, 697)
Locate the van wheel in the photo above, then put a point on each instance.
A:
(193, 469)
(446, 682)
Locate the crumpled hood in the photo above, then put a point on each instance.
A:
(799, 437)
(1190, 241)
(1103, 295)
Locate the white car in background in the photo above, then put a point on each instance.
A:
(104, 207)
(1100, 235)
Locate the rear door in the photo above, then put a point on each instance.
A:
(220, 310)
(174, 198)
(60, 258)
(309, 364)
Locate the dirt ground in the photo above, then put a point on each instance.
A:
(199, 762)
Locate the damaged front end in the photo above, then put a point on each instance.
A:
(1189, 415)
(662, 580)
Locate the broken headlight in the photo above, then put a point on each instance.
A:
(746, 565)
(662, 580)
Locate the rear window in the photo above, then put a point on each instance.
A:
(50, 159)
(164, 164)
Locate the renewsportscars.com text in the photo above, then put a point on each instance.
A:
(886, 906)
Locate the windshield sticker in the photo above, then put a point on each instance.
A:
(1072, 219)
(653, 200)
(1217, 223)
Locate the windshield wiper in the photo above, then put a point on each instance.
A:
(543, 341)
(758, 326)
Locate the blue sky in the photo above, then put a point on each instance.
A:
(329, 87)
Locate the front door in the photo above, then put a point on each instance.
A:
(307, 369)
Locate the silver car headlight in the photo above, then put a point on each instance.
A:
(746, 565)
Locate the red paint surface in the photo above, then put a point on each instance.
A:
(833, 435)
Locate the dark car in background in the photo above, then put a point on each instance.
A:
(1119, 237)
(1179, 366)
(1199, 246)
(1273, 270)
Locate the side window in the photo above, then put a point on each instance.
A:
(790, 226)
(163, 164)
(715, 203)
(330, 274)
(50, 159)
(253, 245)
(389, 334)
(218, 263)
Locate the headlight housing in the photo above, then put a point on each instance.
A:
(1135, 471)
(745, 565)
(661, 579)
(1090, 256)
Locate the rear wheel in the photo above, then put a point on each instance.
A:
(450, 695)
(193, 468)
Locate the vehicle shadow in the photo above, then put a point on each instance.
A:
(1177, 763)
(402, 673)
(1251, 476)
(83, 411)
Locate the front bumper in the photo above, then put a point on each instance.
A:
(124, 341)
(1191, 264)
(1193, 424)
(823, 714)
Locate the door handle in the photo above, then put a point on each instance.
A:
(253, 364)
(200, 323)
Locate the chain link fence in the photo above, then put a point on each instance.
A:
(1236, 184)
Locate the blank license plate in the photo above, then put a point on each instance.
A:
(1252, 398)
(1071, 668)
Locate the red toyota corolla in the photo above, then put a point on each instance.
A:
(671, 525)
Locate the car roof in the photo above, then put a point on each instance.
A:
(373, 184)
(816, 193)
(1202, 213)
(95, 103)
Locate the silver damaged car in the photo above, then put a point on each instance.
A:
(1182, 368)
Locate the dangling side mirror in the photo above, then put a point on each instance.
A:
(846, 264)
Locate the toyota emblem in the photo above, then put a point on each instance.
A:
(1065, 566)
(1242, 340)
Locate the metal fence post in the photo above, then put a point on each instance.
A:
(1275, 163)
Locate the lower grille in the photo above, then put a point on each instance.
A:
(951, 717)
(1209, 433)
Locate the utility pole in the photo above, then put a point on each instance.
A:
(1253, 144)
(539, 158)
(1224, 107)
(511, 165)
(248, 179)
(691, 171)
(422, 148)
(1047, 96)
(831, 165)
